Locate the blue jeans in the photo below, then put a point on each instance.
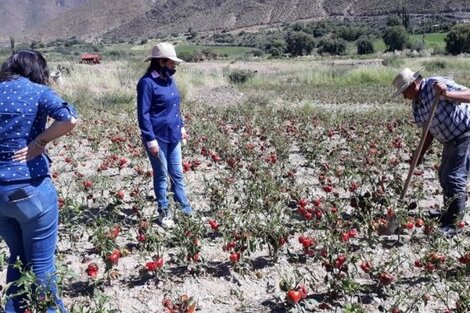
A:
(169, 162)
(29, 215)
(453, 176)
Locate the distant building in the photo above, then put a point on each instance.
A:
(88, 58)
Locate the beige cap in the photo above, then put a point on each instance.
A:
(404, 80)
(163, 50)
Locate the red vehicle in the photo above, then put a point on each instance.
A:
(89, 58)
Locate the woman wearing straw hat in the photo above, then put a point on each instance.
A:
(450, 126)
(162, 128)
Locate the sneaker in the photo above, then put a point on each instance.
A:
(165, 220)
(447, 231)
(188, 212)
(433, 213)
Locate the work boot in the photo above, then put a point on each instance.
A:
(455, 209)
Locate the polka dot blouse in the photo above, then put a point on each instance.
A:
(24, 109)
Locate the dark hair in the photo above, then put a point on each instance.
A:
(155, 65)
(26, 63)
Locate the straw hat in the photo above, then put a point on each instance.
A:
(404, 80)
(163, 50)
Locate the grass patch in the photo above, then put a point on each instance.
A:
(431, 40)
(379, 45)
(225, 51)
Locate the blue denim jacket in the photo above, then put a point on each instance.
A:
(158, 109)
(24, 109)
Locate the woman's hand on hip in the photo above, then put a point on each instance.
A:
(29, 152)
(185, 135)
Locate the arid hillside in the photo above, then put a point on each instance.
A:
(51, 19)
(216, 15)
(17, 16)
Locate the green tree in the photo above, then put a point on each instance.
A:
(299, 43)
(321, 29)
(332, 46)
(365, 46)
(405, 17)
(275, 48)
(394, 20)
(395, 37)
(297, 27)
(350, 33)
(12, 44)
(458, 39)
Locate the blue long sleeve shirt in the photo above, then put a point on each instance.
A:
(158, 109)
(24, 109)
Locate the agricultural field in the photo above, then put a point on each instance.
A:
(293, 168)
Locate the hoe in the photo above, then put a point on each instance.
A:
(392, 223)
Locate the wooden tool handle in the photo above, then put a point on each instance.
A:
(418, 150)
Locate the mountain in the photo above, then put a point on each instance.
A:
(19, 15)
(175, 16)
(51, 19)
(92, 19)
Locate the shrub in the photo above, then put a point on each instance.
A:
(62, 50)
(393, 61)
(71, 41)
(275, 48)
(365, 46)
(114, 53)
(394, 20)
(418, 45)
(258, 53)
(191, 55)
(240, 76)
(351, 33)
(299, 43)
(438, 51)
(321, 29)
(224, 38)
(395, 38)
(434, 65)
(458, 39)
(192, 35)
(297, 27)
(36, 44)
(332, 46)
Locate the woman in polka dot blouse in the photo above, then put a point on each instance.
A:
(28, 199)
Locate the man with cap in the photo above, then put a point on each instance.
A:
(162, 128)
(450, 126)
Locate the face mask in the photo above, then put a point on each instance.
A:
(166, 71)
